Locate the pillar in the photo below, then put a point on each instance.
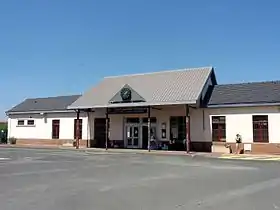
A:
(188, 129)
(149, 128)
(107, 130)
(78, 129)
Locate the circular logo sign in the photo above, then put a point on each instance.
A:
(126, 94)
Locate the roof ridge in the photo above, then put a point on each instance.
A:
(160, 72)
(48, 97)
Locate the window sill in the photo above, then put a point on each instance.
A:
(221, 141)
(26, 126)
(256, 142)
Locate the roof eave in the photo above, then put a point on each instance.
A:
(39, 112)
(193, 102)
(242, 105)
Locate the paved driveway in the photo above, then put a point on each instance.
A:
(48, 179)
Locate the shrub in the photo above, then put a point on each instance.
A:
(12, 140)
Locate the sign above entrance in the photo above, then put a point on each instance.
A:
(127, 110)
(126, 95)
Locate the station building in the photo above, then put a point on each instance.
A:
(182, 109)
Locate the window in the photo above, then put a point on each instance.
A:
(80, 128)
(132, 120)
(152, 119)
(30, 122)
(20, 122)
(260, 128)
(178, 128)
(218, 128)
(55, 129)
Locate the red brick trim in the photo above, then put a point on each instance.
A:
(256, 148)
(49, 142)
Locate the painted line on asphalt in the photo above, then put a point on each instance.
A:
(261, 158)
(4, 158)
(35, 172)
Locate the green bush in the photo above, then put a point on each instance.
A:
(12, 140)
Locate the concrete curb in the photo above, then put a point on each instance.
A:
(137, 151)
(114, 150)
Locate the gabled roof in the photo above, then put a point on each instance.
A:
(166, 87)
(135, 97)
(44, 104)
(262, 93)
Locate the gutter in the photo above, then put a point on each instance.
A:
(40, 112)
(242, 105)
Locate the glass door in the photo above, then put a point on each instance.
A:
(132, 136)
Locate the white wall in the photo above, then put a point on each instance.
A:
(239, 120)
(198, 133)
(43, 126)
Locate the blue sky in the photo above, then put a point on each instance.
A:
(57, 47)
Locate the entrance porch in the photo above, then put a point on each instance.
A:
(171, 128)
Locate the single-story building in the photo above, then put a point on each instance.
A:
(172, 110)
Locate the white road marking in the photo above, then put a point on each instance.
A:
(4, 158)
(210, 166)
(260, 158)
(35, 172)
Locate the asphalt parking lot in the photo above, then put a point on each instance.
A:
(45, 179)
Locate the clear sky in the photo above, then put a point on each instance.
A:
(57, 47)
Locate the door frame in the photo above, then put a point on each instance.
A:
(134, 125)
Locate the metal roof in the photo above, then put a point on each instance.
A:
(182, 86)
(245, 94)
(44, 104)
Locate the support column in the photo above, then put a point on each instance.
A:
(149, 128)
(88, 126)
(107, 130)
(78, 129)
(188, 141)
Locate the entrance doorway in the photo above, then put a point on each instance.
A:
(136, 132)
(99, 133)
(145, 138)
(132, 136)
(55, 129)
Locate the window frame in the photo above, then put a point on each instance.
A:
(132, 120)
(30, 120)
(221, 128)
(20, 120)
(152, 120)
(260, 135)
